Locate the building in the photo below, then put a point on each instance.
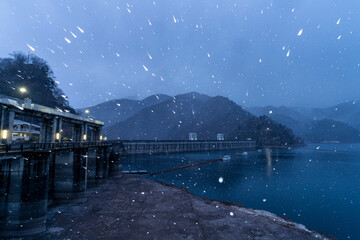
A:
(220, 137)
(24, 131)
(192, 136)
(51, 123)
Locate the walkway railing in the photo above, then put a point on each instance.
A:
(131, 146)
(27, 147)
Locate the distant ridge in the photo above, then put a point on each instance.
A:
(175, 118)
(338, 123)
(117, 110)
(205, 111)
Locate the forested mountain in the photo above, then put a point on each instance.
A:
(331, 130)
(176, 118)
(28, 76)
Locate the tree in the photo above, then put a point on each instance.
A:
(266, 132)
(35, 75)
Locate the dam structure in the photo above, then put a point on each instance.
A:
(49, 156)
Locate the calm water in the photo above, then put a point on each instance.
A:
(318, 189)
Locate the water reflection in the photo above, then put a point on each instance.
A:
(269, 167)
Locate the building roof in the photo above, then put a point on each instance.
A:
(20, 105)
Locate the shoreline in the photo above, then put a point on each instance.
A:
(132, 207)
(258, 212)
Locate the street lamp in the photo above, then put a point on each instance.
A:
(22, 90)
(87, 111)
(4, 134)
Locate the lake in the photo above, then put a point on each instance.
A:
(318, 188)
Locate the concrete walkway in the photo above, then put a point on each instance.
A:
(131, 207)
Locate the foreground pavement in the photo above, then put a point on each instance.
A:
(131, 207)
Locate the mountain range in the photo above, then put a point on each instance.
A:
(338, 123)
(118, 110)
(172, 118)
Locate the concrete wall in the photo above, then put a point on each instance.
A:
(30, 182)
(23, 195)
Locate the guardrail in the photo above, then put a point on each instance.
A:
(26, 147)
(138, 146)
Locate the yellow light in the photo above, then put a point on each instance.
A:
(101, 137)
(87, 111)
(22, 90)
(84, 137)
(4, 134)
(57, 136)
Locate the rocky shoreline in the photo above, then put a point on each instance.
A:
(131, 207)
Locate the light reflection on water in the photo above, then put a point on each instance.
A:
(318, 189)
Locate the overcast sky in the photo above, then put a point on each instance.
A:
(256, 52)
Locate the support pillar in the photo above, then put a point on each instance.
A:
(73, 134)
(97, 134)
(84, 132)
(2, 120)
(53, 130)
(77, 132)
(92, 134)
(11, 126)
(43, 130)
(60, 129)
(7, 124)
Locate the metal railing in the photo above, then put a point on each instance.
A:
(137, 145)
(27, 147)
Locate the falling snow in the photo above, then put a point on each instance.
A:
(82, 31)
(30, 47)
(73, 34)
(288, 53)
(300, 32)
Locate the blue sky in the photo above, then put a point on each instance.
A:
(292, 53)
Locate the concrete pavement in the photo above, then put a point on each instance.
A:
(131, 207)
